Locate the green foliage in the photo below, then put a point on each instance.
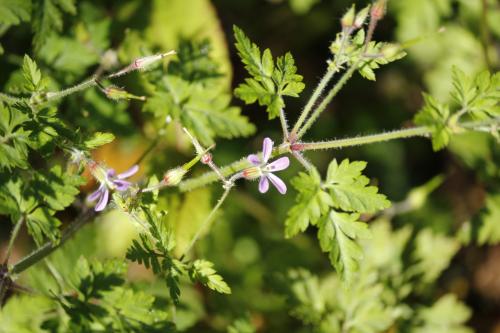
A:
(270, 80)
(98, 139)
(191, 94)
(349, 188)
(383, 296)
(334, 206)
(101, 302)
(24, 314)
(13, 12)
(38, 199)
(386, 279)
(435, 116)
(203, 272)
(241, 325)
(14, 139)
(477, 97)
(428, 264)
(312, 203)
(339, 234)
(56, 189)
(32, 75)
(484, 228)
(48, 18)
(193, 62)
(446, 315)
(154, 249)
(42, 222)
(351, 51)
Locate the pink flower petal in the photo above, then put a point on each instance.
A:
(94, 196)
(277, 182)
(278, 165)
(121, 185)
(267, 148)
(254, 159)
(103, 201)
(130, 172)
(111, 173)
(263, 184)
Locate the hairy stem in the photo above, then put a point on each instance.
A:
(207, 221)
(9, 99)
(284, 125)
(235, 167)
(361, 140)
(49, 247)
(313, 99)
(324, 103)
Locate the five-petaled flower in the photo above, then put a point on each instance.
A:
(263, 170)
(109, 180)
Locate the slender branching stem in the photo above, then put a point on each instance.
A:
(93, 81)
(312, 100)
(302, 160)
(10, 99)
(50, 246)
(284, 125)
(328, 98)
(361, 140)
(236, 167)
(13, 237)
(207, 221)
(55, 95)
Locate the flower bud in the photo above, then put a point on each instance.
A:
(348, 18)
(378, 10)
(142, 63)
(174, 176)
(361, 16)
(206, 158)
(116, 93)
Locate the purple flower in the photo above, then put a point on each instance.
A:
(109, 180)
(263, 170)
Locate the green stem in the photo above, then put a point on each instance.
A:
(13, 238)
(284, 125)
(206, 222)
(10, 99)
(49, 247)
(314, 97)
(54, 95)
(235, 167)
(361, 140)
(324, 103)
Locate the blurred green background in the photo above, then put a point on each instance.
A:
(246, 241)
